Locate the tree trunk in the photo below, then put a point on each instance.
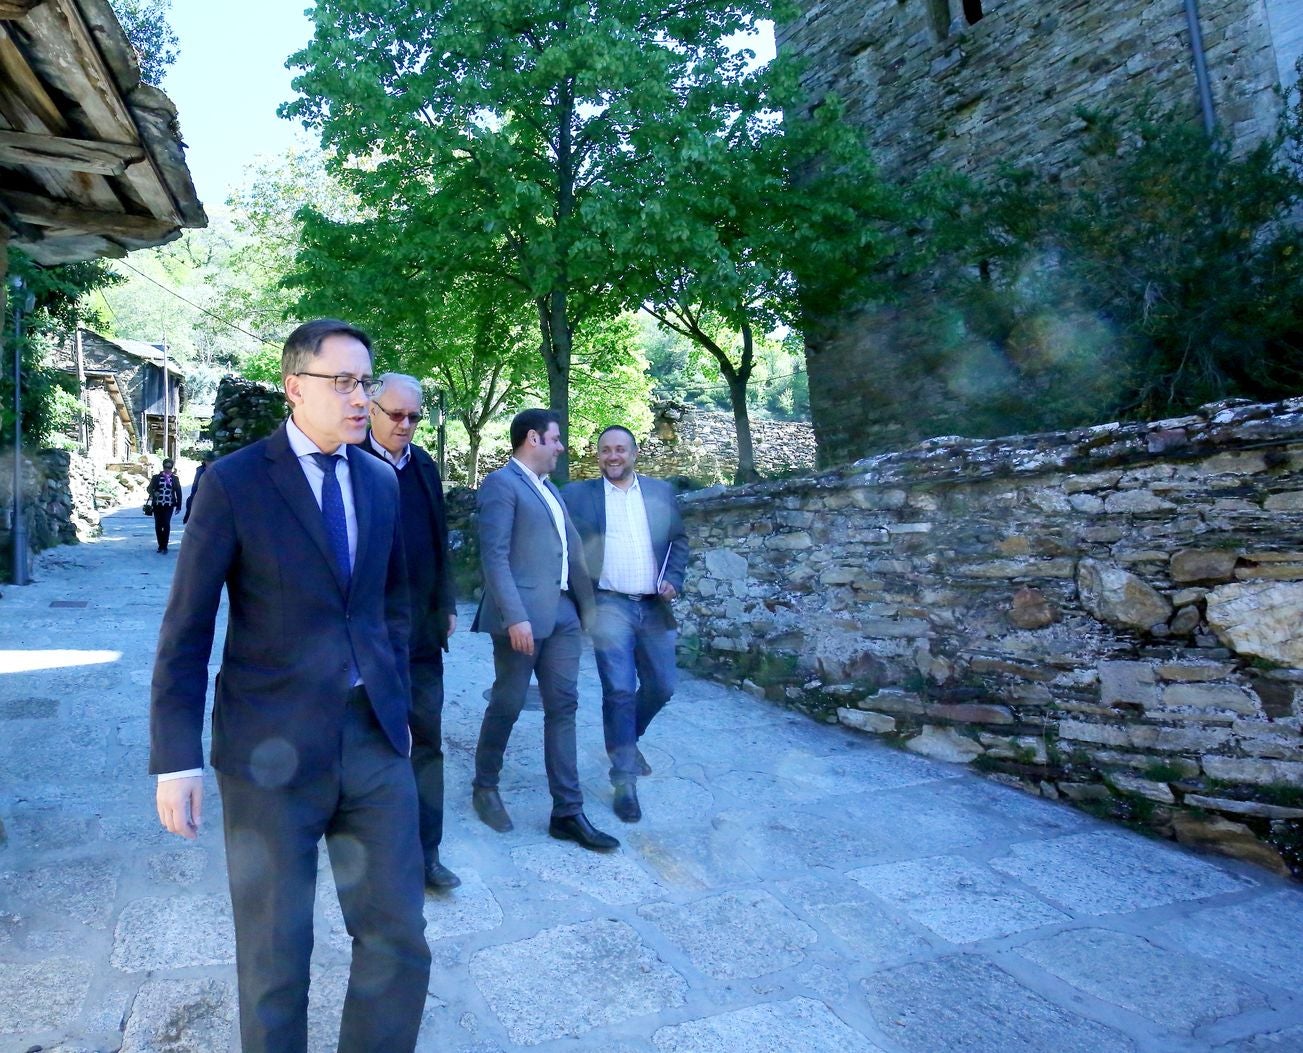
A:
(746, 457)
(475, 437)
(555, 327)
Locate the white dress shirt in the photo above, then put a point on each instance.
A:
(628, 562)
(558, 519)
(399, 462)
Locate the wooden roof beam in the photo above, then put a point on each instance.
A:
(77, 155)
(63, 219)
(12, 9)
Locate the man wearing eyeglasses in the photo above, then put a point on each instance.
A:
(310, 712)
(395, 413)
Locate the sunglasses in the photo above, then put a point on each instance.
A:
(398, 418)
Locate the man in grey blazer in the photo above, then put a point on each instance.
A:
(536, 595)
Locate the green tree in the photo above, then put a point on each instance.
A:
(48, 396)
(146, 25)
(470, 336)
(1165, 274)
(774, 220)
(512, 130)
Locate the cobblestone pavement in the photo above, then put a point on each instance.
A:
(793, 887)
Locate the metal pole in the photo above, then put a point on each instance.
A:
(18, 527)
(1200, 65)
(443, 435)
(167, 402)
(83, 430)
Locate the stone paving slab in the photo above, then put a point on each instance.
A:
(792, 887)
(959, 900)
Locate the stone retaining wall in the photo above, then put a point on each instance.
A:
(58, 501)
(1110, 615)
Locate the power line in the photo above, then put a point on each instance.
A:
(196, 306)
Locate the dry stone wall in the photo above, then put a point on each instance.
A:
(1109, 615)
(244, 412)
(58, 501)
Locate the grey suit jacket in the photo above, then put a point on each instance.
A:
(520, 554)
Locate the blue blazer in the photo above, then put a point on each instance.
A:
(587, 503)
(257, 530)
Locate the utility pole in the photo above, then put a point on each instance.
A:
(167, 402)
(83, 431)
(18, 526)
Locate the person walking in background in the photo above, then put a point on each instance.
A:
(536, 594)
(637, 551)
(194, 485)
(164, 493)
(395, 412)
(310, 710)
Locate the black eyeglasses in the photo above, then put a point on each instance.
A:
(398, 417)
(345, 383)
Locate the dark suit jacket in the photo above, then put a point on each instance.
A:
(445, 597)
(284, 680)
(587, 503)
(520, 554)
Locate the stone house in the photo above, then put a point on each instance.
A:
(133, 392)
(973, 84)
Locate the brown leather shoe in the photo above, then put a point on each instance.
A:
(488, 806)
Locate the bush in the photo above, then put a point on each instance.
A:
(1164, 273)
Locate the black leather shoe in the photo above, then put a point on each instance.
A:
(438, 877)
(577, 828)
(626, 805)
(488, 806)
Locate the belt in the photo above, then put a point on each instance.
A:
(642, 597)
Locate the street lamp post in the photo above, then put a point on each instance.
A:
(18, 527)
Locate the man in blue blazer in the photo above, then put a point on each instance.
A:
(310, 713)
(536, 594)
(395, 413)
(637, 551)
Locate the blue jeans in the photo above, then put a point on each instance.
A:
(634, 647)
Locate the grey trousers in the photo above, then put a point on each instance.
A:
(555, 662)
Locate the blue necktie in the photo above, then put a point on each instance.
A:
(332, 512)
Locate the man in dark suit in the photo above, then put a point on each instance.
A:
(636, 550)
(536, 594)
(310, 711)
(395, 413)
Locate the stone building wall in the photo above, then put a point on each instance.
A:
(927, 88)
(1109, 615)
(934, 90)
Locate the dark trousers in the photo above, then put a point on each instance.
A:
(163, 525)
(366, 810)
(427, 751)
(634, 649)
(555, 662)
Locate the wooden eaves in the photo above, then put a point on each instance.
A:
(91, 159)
